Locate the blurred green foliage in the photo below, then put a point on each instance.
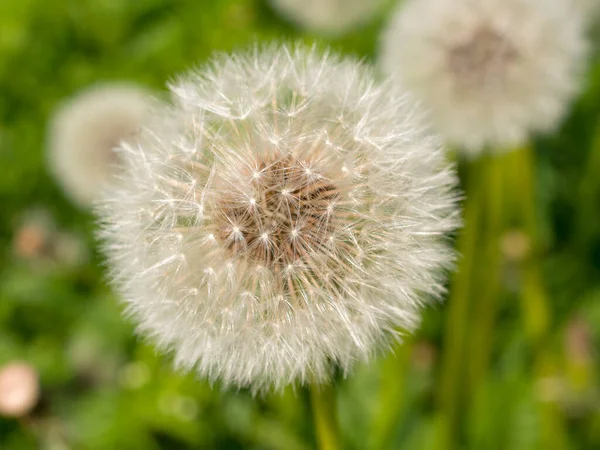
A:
(103, 388)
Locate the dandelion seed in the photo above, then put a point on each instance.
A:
(329, 16)
(327, 267)
(84, 133)
(491, 72)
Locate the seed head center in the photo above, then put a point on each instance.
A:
(280, 217)
(482, 59)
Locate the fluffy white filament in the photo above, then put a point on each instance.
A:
(286, 215)
(329, 16)
(490, 71)
(83, 135)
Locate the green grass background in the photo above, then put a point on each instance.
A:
(103, 388)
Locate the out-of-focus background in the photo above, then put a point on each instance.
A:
(103, 388)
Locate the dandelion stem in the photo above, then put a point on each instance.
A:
(589, 191)
(488, 289)
(535, 303)
(536, 311)
(458, 308)
(325, 416)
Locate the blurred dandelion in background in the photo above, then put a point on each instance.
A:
(84, 133)
(331, 17)
(491, 72)
(286, 215)
(19, 389)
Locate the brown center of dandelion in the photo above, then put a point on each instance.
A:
(481, 60)
(285, 212)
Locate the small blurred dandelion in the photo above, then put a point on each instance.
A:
(490, 71)
(329, 16)
(285, 216)
(83, 135)
(19, 389)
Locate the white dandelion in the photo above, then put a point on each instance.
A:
(329, 16)
(490, 71)
(83, 135)
(285, 216)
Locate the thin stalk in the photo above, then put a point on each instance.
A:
(453, 357)
(589, 191)
(587, 219)
(325, 417)
(489, 288)
(535, 304)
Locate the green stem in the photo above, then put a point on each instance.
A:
(325, 417)
(535, 303)
(589, 191)
(458, 309)
(488, 289)
(536, 310)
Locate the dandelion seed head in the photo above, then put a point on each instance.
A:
(491, 73)
(475, 63)
(326, 267)
(84, 134)
(330, 17)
